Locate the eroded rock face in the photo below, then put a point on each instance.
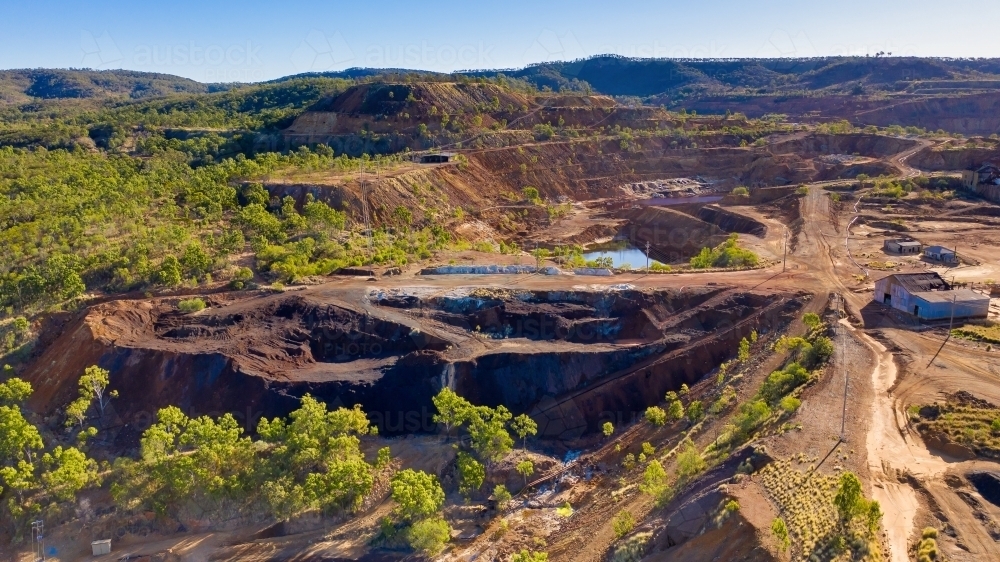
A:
(572, 359)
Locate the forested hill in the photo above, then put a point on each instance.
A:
(621, 76)
(19, 86)
(606, 74)
(31, 85)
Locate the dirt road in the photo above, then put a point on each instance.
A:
(890, 451)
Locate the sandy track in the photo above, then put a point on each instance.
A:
(889, 451)
(892, 451)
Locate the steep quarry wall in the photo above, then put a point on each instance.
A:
(970, 114)
(731, 222)
(581, 170)
(953, 159)
(863, 144)
(672, 235)
(622, 397)
(578, 171)
(976, 114)
(580, 353)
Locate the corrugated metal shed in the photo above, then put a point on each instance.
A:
(917, 282)
(929, 297)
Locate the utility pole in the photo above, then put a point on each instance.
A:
(38, 539)
(784, 258)
(951, 322)
(843, 366)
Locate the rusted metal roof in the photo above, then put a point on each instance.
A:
(920, 282)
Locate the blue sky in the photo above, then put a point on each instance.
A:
(252, 41)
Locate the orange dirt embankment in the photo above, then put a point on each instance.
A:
(570, 170)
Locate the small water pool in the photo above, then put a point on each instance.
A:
(620, 254)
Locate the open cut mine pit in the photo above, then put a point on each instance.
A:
(571, 359)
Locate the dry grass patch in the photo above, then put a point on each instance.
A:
(988, 333)
(976, 426)
(805, 501)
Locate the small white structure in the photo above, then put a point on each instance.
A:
(985, 174)
(940, 253)
(101, 548)
(902, 246)
(929, 297)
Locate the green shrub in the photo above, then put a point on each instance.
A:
(812, 320)
(695, 411)
(656, 416)
(689, 461)
(429, 536)
(501, 495)
(631, 549)
(780, 531)
(741, 191)
(623, 523)
(417, 494)
(751, 416)
(726, 398)
(654, 480)
(471, 474)
(849, 496)
(529, 556)
(744, 350)
(927, 549)
(727, 254)
(191, 305)
(629, 461)
(780, 383)
(675, 410)
(790, 404)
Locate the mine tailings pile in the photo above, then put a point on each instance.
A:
(571, 359)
